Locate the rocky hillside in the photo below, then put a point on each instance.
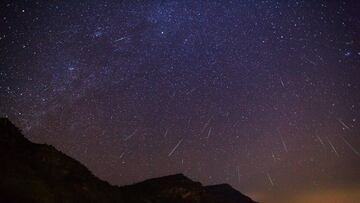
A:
(39, 173)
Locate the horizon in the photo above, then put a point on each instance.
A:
(261, 95)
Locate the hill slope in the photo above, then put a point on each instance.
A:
(39, 173)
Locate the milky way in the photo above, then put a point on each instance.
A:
(263, 95)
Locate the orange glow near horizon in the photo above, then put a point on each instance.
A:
(335, 195)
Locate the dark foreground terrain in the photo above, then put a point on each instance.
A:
(39, 173)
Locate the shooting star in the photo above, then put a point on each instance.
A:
(166, 132)
(343, 124)
(351, 147)
(130, 136)
(209, 133)
(270, 179)
(332, 147)
(189, 121)
(282, 82)
(310, 61)
(120, 39)
(176, 146)
(122, 155)
(321, 141)
(284, 144)
(238, 173)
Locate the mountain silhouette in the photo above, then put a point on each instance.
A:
(39, 173)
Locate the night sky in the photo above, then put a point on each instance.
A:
(263, 95)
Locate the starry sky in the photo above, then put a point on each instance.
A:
(263, 95)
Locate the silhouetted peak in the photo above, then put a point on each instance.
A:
(176, 178)
(45, 174)
(6, 123)
(9, 133)
(221, 186)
